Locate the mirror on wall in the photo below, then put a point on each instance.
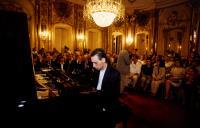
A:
(116, 43)
(142, 43)
(173, 39)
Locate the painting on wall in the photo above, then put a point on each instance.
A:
(174, 29)
(173, 33)
(174, 39)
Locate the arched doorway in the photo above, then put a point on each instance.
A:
(62, 36)
(116, 42)
(142, 42)
(94, 39)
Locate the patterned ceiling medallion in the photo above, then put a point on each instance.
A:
(62, 8)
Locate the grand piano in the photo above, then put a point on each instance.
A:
(26, 88)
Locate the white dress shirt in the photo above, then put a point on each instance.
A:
(62, 67)
(101, 75)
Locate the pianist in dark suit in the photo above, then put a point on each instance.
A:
(106, 79)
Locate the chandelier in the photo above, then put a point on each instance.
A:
(104, 12)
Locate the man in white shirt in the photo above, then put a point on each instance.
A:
(106, 78)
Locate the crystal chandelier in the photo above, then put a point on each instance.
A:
(104, 12)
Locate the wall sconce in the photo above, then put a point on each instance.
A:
(44, 35)
(151, 50)
(80, 37)
(190, 37)
(179, 47)
(129, 40)
(169, 45)
(195, 36)
(146, 51)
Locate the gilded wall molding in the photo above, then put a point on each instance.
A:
(11, 6)
(173, 29)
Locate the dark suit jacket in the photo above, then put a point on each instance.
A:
(110, 89)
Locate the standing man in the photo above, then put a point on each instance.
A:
(123, 66)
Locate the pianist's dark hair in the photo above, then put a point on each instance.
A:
(100, 53)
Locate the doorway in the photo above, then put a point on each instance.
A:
(117, 39)
(94, 39)
(116, 44)
(142, 43)
(62, 37)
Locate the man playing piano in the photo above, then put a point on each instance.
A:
(106, 81)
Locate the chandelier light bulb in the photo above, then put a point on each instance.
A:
(103, 19)
(104, 12)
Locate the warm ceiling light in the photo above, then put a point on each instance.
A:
(104, 12)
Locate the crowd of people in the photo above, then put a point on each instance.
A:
(169, 77)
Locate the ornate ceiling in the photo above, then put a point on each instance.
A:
(132, 5)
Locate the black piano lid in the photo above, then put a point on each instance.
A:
(16, 59)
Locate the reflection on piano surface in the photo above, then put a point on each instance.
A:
(44, 87)
(53, 82)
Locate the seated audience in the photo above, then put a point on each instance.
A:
(158, 76)
(135, 70)
(176, 77)
(146, 74)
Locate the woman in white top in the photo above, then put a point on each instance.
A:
(135, 70)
